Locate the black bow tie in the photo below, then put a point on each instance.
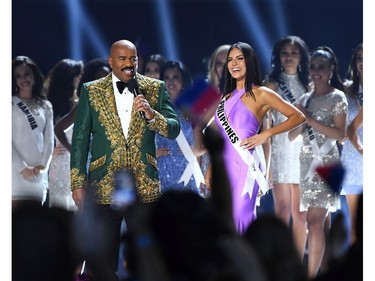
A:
(121, 86)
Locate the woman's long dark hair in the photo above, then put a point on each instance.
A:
(187, 81)
(302, 70)
(38, 91)
(352, 73)
(327, 53)
(92, 70)
(60, 87)
(253, 75)
(157, 58)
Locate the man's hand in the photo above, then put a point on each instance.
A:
(141, 104)
(79, 197)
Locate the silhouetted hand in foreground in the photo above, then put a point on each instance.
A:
(220, 191)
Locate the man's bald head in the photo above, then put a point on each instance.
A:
(123, 60)
(122, 44)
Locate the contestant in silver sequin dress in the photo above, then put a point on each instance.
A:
(325, 109)
(60, 194)
(315, 192)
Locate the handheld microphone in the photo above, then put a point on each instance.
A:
(133, 88)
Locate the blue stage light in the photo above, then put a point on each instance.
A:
(167, 31)
(73, 11)
(279, 18)
(262, 45)
(80, 25)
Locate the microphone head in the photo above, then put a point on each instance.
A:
(133, 85)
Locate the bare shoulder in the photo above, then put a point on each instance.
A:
(270, 84)
(263, 91)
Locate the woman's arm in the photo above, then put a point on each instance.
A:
(295, 117)
(338, 131)
(267, 144)
(64, 123)
(265, 100)
(49, 140)
(353, 128)
(293, 134)
(198, 148)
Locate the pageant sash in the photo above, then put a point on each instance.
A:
(35, 129)
(22, 106)
(288, 94)
(360, 95)
(192, 168)
(318, 152)
(252, 160)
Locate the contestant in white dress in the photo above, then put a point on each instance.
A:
(289, 77)
(32, 133)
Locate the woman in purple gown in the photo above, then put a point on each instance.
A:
(239, 117)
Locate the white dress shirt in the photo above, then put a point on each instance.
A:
(124, 105)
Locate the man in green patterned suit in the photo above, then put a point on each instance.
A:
(122, 137)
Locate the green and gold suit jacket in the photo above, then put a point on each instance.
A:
(97, 116)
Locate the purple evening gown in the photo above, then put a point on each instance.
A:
(245, 124)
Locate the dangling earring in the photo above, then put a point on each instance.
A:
(299, 68)
(330, 77)
(281, 68)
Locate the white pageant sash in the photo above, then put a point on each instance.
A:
(252, 160)
(23, 107)
(288, 94)
(192, 168)
(35, 130)
(318, 153)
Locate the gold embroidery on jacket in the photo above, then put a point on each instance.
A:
(152, 160)
(160, 125)
(77, 179)
(126, 153)
(97, 163)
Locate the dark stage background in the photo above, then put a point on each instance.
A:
(46, 30)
